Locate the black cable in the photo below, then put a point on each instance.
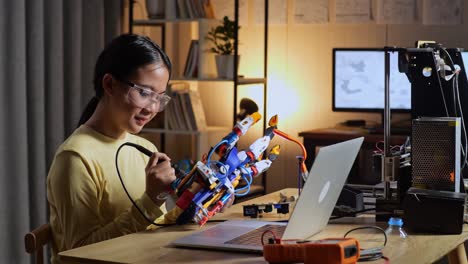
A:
(369, 227)
(216, 221)
(372, 257)
(463, 127)
(454, 93)
(443, 95)
(145, 151)
(456, 99)
(378, 253)
(452, 64)
(352, 213)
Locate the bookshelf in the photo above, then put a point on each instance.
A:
(198, 138)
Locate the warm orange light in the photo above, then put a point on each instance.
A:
(282, 99)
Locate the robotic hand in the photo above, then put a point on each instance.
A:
(206, 189)
(210, 184)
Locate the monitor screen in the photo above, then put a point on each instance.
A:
(359, 81)
(465, 58)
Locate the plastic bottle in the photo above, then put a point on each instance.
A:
(395, 228)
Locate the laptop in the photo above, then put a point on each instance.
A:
(310, 215)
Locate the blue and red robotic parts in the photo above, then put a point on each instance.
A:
(205, 190)
(210, 184)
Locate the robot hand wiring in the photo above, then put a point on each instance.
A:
(211, 183)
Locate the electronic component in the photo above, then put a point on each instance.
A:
(325, 251)
(436, 143)
(211, 183)
(254, 210)
(434, 211)
(350, 197)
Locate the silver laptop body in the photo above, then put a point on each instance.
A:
(311, 213)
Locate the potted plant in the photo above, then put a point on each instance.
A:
(223, 39)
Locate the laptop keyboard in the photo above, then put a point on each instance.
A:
(253, 238)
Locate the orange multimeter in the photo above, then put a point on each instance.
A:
(325, 251)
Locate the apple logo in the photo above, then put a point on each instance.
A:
(324, 191)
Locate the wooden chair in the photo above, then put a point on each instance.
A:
(35, 240)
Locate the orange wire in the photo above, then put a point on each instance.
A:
(288, 137)
(185, 179)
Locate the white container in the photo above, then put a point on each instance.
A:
(225, 66)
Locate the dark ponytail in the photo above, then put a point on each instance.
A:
(89, 110)
(121, 58)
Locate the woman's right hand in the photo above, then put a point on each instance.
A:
(159, 176)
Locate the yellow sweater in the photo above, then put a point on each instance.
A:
(87, 201)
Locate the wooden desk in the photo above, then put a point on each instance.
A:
(154, 246)
(361, 172)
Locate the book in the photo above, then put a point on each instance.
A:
(190, 9)
(197, 108)
(199, 10)
(170, 112)
(182, 90)
(189, 58)
(190, 113)
(186, 110)
(182, 8)
(191, 63)
(193, 69)
(208, 9)
(169, 115)
(171, 9)
(180, 116)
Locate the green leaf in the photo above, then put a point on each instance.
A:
(223, 36)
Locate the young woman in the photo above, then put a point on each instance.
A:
(87, 201)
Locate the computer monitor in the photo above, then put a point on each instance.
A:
(359, 81)
(465, 58)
